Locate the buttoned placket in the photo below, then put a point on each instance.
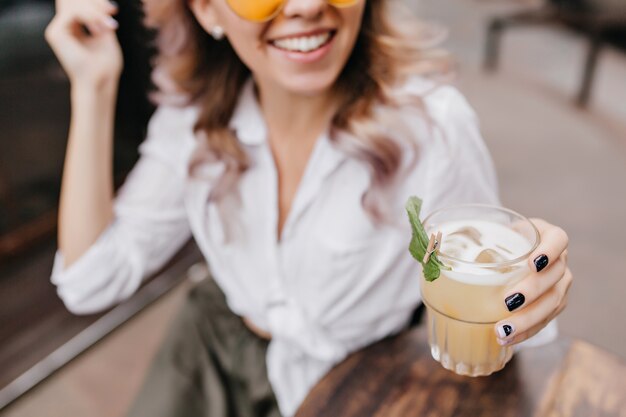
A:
(277, 293)
(285, 316)
(321, 164)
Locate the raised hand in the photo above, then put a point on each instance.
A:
(82, 35)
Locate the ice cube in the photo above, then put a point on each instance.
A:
(452, 246)
(452, 251)
(492, 256)
(470, 233)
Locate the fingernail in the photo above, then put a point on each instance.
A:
(514, 301)
(505, 330)
(110, 22)
(541, 262)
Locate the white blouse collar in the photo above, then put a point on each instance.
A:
(251, 130)
(247, 119)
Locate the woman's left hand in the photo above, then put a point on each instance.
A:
(542, 295)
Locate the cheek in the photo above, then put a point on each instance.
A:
(248, 48)
(352, 21)
(244, 37)
(247, 44)
(251, 53)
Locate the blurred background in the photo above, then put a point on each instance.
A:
(547, 79)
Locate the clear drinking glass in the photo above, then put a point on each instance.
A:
(487, 248)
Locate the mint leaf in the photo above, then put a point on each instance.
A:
(419, 241)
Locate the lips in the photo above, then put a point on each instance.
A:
(304, 42)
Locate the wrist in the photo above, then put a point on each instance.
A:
(94, 103)
(102, 89)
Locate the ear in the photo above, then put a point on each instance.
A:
(204, 11)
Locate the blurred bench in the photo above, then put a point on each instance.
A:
(34, 120)
(601, 21)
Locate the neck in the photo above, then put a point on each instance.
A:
(291, 116)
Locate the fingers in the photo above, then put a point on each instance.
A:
(542, 295)
(106, 11)
(97, 21)
(527, 322)
(554, 241)
(96, 16)
(106, 6)
(110, 7)
(82, 36)
(534, 285)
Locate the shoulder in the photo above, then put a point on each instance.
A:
(438, 120)
(169, 120)
(454, 164)
(439, 114)
(442, 103)
(170, 136)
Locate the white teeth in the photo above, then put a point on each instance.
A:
(303, 44)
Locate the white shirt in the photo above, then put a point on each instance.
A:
(334, 283)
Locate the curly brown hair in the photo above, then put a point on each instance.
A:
(389, 49)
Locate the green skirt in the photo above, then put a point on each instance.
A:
(210, 365)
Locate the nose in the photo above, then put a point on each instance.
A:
(307, 9)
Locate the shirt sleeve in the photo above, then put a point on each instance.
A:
(460, 168)
(150, 222)
(545, 335)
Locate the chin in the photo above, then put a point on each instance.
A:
(309, 85)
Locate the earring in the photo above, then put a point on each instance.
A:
(217, 32)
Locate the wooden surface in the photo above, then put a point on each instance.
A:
(397, 377)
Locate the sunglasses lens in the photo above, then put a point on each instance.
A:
(263, 10)
(343, 3)
(256, 10)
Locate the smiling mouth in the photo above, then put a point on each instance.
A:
(304, 44)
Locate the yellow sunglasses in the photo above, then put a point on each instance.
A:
(264, 10)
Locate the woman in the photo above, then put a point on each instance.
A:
(288, 137)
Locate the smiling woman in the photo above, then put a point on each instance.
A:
(288, 136)
(365, 50)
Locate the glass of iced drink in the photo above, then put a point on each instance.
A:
(487, 248)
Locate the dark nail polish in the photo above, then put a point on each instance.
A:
(541, 262)
(514, 301)
(505, 330)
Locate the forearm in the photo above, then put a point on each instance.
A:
(86, 203)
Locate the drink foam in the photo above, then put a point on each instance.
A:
(482, 241)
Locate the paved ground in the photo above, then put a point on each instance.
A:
(103, 381)
(554, 161)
